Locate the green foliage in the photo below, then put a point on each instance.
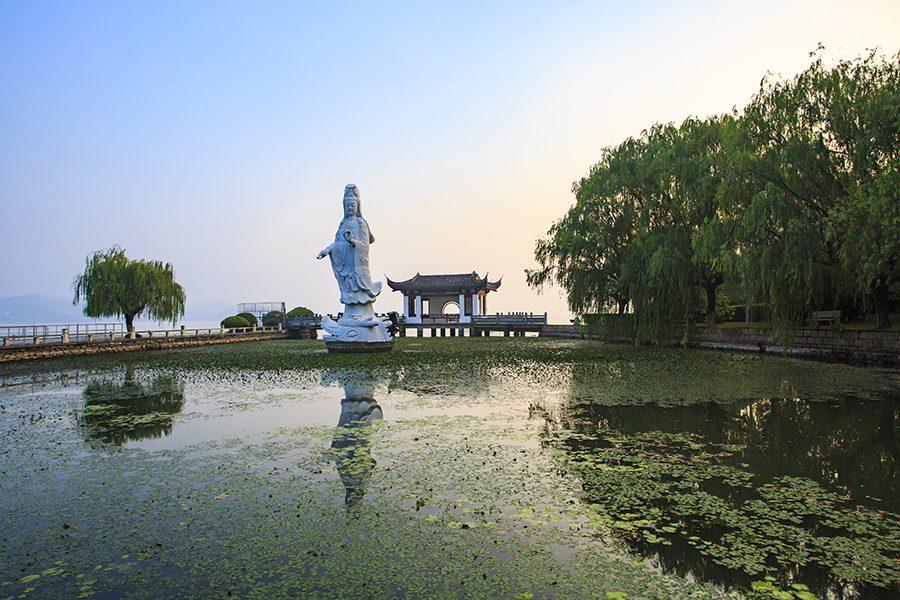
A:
(794, 201)
(112, 285)
(584, 251)
(769, 588)
(300, 311)
(724, 305)
(272, 318)
(656, 487)
(645, 228)
(821, 153)
(251, 318)
(235, 321)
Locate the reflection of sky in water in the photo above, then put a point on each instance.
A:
(211, 414)
(788, 417)
(246, 414)
(787, 436)
(847, 442)
(248, 405)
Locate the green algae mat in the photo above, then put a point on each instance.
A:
(450, 468)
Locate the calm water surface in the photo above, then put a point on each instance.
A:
(450, 468)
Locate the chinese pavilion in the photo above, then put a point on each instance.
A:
(468, 291)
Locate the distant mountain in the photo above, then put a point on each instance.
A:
(31, 308)
(17, 310)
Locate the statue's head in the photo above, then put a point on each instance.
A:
(351, 202)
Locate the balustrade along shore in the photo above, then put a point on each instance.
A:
(65, 342)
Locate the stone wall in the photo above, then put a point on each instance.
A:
(563, 331)
(848, 345)
(81, 349)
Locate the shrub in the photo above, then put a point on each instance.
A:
(251, 318)
(300, 311)
(235, 321)
(272, 318)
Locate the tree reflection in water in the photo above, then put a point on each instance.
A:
(351, 444)
(116, 412)
(849, 444)
(722, 471)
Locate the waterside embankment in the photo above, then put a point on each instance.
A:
(53, 350)
(871, 347)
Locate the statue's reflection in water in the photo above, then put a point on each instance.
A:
(351, 444)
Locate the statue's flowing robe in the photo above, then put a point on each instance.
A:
(351, 263)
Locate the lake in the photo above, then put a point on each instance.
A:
(452, 467)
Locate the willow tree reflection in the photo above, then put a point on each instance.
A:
(851, 444)
(351, 445)
(117, 411)
(696, 483)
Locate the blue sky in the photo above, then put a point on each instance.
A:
(219, 136)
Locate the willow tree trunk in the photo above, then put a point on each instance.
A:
(880, 299)
(129, 323)
(711, 305)
(622, 305)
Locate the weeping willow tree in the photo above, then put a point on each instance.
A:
(584, 252)
(645, 229)
(676, 261)
(797, 197)
(822, 151)
(112, 285)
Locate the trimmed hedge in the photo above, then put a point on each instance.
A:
(300, 311)
(235, 321)
(251, 318)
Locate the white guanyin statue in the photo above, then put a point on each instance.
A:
(349, 254)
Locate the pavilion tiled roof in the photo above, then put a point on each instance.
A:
(439, 284)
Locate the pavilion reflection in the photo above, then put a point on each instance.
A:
(118, 411)
(351, 444)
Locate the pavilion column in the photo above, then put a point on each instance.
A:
(463, 318)
(405, 307)
(419, 307)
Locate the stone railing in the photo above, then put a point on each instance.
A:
(65, 336)
(511, 319)
(145, 340)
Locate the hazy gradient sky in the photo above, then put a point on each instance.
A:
(219, 136)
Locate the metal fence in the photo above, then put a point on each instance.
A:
(261, 309)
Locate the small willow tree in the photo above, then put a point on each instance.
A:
(114, 286)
